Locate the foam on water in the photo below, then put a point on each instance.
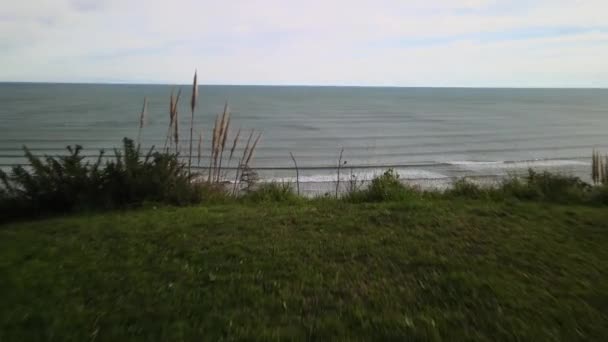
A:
(473, 165)
(437, 173)
(367, 175)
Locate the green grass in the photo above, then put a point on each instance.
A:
(423, 269)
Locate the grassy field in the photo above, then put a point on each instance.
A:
(424, 269)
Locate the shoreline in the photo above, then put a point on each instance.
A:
(319, 184)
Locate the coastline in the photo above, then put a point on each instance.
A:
(315, 182)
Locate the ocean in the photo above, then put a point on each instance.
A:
(428, 135)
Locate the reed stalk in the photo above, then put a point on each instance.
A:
(240, 165)
(234, 143)
(297, 172)
(142, 120)
(594, 167)
(192, 108)
(233, 148)
(200, 148)
(601, 170)
(224, 136)
(176, 121)
(252, 150)
(213, 143)
(219, 139)
(171, 118)
(339, 168)
(218, 142)
(605, 171)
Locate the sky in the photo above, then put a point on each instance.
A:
(441, 43)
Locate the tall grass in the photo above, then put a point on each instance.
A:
(599, 168)
(244, 173)
(192, 108)
(200, 148)
(295, 163)
(234, 144)
(386, 187)
(219, 139)
(339, 169)
(173, 131)
(142, 119)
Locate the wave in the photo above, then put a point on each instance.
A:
(362, 176)
(473, 165)
(444, 171)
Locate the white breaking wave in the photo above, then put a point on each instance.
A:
(439, 172)
(479, 165)
(345, 176)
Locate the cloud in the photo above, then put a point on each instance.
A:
(363, 42)
(88, 5)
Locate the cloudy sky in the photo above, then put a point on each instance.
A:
(514, 43)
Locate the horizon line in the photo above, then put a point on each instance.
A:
(304, 85)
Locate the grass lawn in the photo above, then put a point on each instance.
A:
(427, 269)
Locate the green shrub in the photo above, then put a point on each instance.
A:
(543, 186)
(52, 184)
(11, 207)
(546, 186)
(132, 178)
(518, 188)
(69, 183)
(536, 186)
(467, 189)
(599, 195)
(271, 192)
(386, 187)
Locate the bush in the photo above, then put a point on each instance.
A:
(518, 188)
(271, 192)
(599, 195)
(69, 183)
(386, 187)
(51, 184)
(132, 178)
(546, 186)
(536, 186)
(467, 189)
